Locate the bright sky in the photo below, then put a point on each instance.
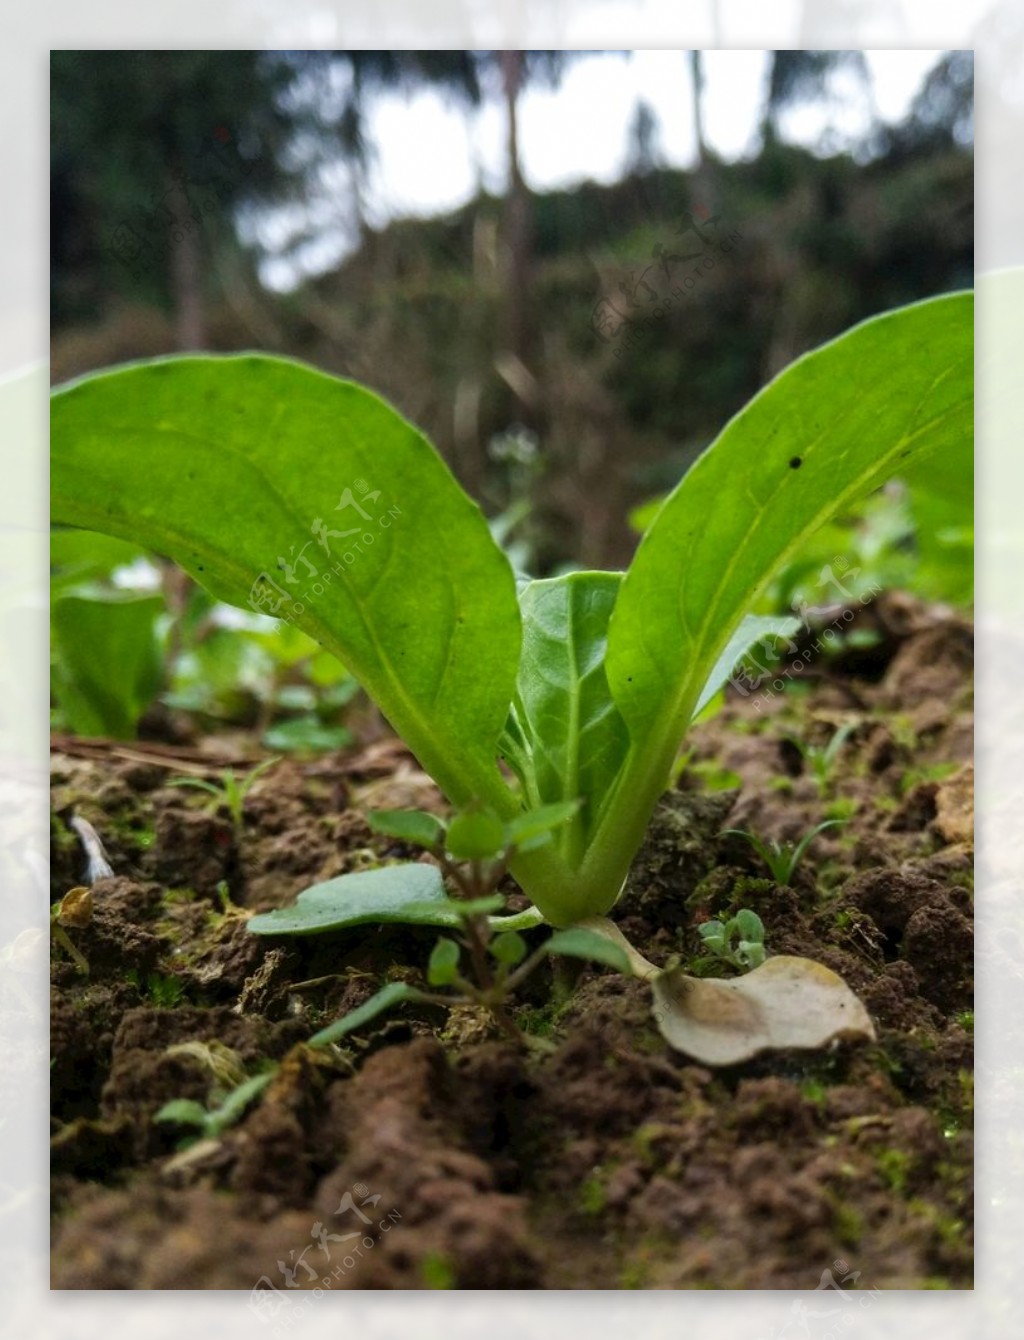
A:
(430, 156)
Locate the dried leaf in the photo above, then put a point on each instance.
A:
(787, 1002)
(76, 907)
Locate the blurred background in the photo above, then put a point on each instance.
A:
(568, 268)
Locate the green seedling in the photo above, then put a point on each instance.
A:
(247, 469)
(782, 858)
(821, 759)
(229, 793)
(75, 911)
(739, 941)
(212, 1122)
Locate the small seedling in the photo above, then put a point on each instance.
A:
(211, 1122)
(74, 910)
(486, 958)
(739, 941)
(821, 759)
(782, 858)
(229, 793)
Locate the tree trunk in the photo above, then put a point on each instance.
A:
(516, 335)
(697, 80)
(186, 270)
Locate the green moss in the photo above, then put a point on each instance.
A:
(948, 1227)
(848, 1224)
(814, 1091)
(173, 896)
(593, 1196)
(845, 807)
(894, 1165)
(538, 1022)
(437, 1271)
(714, 777)
(634, 1275)
(934, 772)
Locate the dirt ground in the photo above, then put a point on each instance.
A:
(428, 1153)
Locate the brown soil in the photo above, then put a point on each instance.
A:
(452, 1159)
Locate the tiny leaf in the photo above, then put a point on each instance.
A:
(443, 967)
(749, 925)
(475, 835)
(580, 942)
(409, 892)
(389, 995)
(185, 1111)
(238, 1100)
(508, 948)
(416, 826)
(536, 825)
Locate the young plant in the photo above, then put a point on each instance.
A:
(247, 469)
(211, 1122)
(229, 793)
(486, 959)
(782, 858)
(74, 910)
(738, 941)
(821, 759)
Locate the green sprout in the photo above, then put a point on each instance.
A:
(211, 1122)
(782, 858)
(821, 759)
(229, 793)
(75, 911)
(738, 941)
(231, 1093)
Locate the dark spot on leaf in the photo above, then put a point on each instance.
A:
(795, 463)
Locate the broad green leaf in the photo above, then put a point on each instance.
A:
(308, 498)
(80, 555)
(475, 835)
(416, 826)
(565, 738)
(589, 944)
(443, 967)
(829, 428)
(410, 893)
(404, 892)
(890, 393)
(107, 660)
(392, 994)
